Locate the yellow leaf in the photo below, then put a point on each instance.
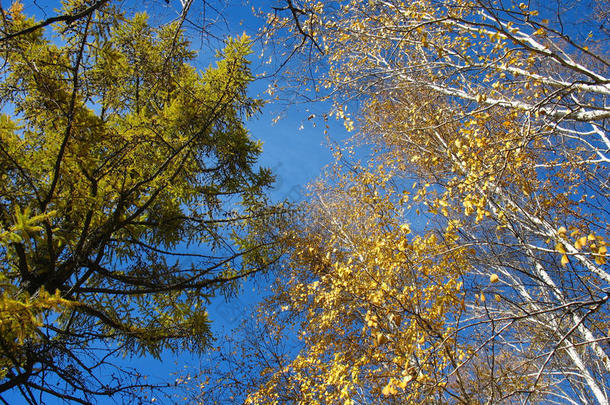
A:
(380, 339)
(564, 260)
(539, 31)
(494, 278)
(580, 243)
(388, 389)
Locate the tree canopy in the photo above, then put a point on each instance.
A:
(129, 195)
(457, 252)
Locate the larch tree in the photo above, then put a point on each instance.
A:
(129, 195)
(490, 120)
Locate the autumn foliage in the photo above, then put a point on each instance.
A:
(457, 251)
(129, 195)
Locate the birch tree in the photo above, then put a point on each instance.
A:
(497, 113)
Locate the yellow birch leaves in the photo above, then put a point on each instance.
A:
(373, 298)
(486, 117)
